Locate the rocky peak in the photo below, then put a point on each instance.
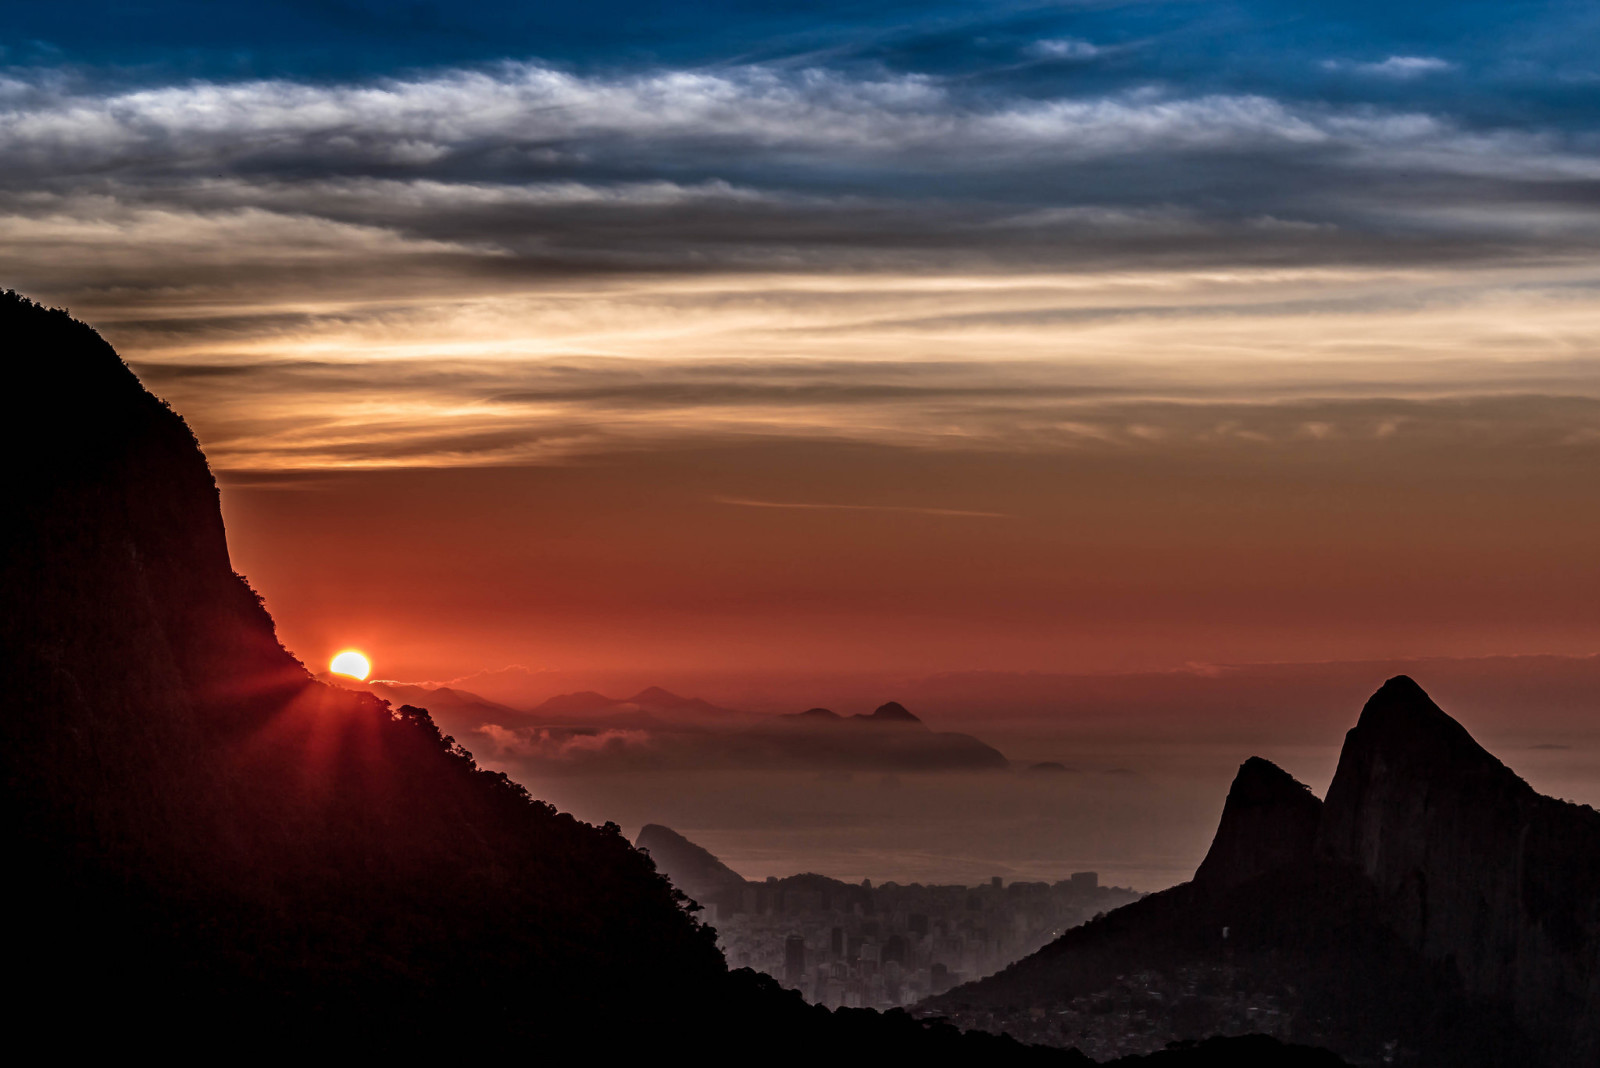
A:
(1269, 821)
(1405, 766)
(1473, 866)
(1402, 723)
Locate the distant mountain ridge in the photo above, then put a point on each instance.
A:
(445, 702)
(650, 706)
(1433, 910)
(658, 729)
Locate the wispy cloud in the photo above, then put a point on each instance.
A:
(1398, 67)
(1071, 48)
(908, 509)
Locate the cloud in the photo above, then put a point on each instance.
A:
(523, 119)
(753, 743)
(1397, 67)
(909, 509)
(522, 171)
(1070, 48)
(529, 115)
(521, 263)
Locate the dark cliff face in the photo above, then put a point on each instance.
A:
(1268, 822)
(1472, 864)
(131, 649)
(117, 536)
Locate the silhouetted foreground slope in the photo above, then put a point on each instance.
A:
(211, 851)
(203, 824)
(1435, 910)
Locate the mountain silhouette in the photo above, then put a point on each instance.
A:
(1433, 910)
(692, 868)
(818, 715)
(1269, 821)
(204, 824)
(651, 707)
(213, 851)
(1473, 865)
(891, 713)
(449, 706)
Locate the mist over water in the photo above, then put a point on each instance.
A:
(1139, 813)
(1145, 828)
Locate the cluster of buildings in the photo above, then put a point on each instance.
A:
(881, 947)
(1140, 1012)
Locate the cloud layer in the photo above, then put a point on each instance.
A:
(981, 228)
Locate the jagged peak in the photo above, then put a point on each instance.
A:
(1269, 821)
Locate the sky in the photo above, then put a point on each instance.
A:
(757, 348)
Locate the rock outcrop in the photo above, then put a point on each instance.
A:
(1473, 865)
(1268, 822)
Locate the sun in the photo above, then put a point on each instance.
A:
(351, 663)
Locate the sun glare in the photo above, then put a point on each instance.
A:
(351, 663)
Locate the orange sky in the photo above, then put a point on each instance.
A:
(1107, 558)
(1145, 443)
(837, 470)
